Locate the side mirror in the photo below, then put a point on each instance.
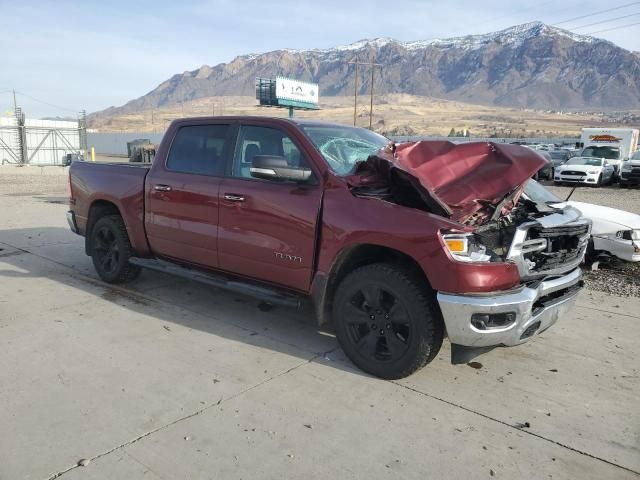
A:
(274, 167)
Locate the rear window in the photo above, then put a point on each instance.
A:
(199, 149)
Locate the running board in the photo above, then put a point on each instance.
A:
(220, 281)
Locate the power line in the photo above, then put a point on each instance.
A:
(596, 13)
(614, 28)
(606, 21)
(46, 103)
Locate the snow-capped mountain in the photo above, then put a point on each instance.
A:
(531, 65)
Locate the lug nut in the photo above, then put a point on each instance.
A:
(388, 326)
(381, 332)
(372, 317)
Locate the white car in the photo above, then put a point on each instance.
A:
(613, 231)
(588, 170)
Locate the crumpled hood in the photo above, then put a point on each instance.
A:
(469, 181)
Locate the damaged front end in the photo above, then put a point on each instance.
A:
(480, 186)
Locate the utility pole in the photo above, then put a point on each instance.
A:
(371, 65)
(355, 94)
(15, 104)
(373, 69)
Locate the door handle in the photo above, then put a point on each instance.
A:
(162, 188)
(232, 197)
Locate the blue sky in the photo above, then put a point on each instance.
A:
(90, 55)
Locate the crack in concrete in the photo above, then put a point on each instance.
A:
(528, 432)
(607, 311)
(186, 417)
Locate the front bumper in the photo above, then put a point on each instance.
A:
(587, 178)
(536, 307)
(626, 179)
(71, 220)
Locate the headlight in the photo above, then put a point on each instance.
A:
(463, 247)
(626, 168)
(628, 234)
(592, 172)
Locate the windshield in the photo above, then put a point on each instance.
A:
(593, 162)
(636, 155)
(342, 147)
(537, 193)
(610, 153)
(558, 155)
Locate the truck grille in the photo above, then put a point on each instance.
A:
(563, 245)
(635, 173)
(573, 172)
(541, 251)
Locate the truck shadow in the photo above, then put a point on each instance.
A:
(169, 299)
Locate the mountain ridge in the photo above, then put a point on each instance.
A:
(532, 65)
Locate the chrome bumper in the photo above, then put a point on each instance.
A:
(71, 220)
(535, 309)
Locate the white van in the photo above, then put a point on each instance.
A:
(613, 144)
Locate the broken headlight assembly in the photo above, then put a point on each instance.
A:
(464, 247)
(628, 234)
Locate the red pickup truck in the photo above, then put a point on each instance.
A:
(396, 245)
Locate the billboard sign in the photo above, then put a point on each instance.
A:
(297, 91)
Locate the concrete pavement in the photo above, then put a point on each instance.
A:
(166, 378)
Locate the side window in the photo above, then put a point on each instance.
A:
(199, 149)
(254, 141)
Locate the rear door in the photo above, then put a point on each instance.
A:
(181, 211)
(268, 228)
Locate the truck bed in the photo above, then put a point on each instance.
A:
(121, 184)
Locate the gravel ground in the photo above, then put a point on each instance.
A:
(28, 184)
(610, 196)
(616, 278)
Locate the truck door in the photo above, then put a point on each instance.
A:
(181, 210)
(268, 228)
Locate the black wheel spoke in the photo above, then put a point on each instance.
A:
(395, 346)
(368, 343)
(397, 314)
(371, 295)
(355, 315)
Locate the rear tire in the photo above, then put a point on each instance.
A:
(387, 321)
(111, 250)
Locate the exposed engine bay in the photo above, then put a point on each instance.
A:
(479, 185)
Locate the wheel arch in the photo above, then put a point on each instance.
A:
(350, 258)
(98, 209)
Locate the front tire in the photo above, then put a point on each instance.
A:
(387, 321)
(599, 182)
(111, 250)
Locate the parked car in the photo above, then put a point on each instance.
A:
(546, 171)
(588, 170)
(630, 171)
(614, 232)
(560, 156)
(395, 245)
